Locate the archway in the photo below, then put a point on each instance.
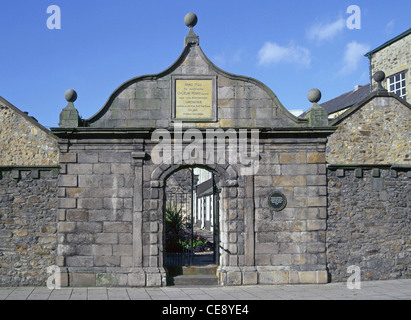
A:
(191, 218)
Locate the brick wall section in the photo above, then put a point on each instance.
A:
(28, 227)
(369, 223)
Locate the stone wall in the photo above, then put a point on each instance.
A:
(102, 220)
(378, 132)
(393, 59)
(23, 141)
(369, 190)
(28, 198)
(111, 191)
(290, 244)
(145, 102)
(28, 227)
(369, 222)
(111, 212)
(95, 216)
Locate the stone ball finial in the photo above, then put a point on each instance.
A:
(314, 95)
(71, 95)
(190, 19)
(379, 76)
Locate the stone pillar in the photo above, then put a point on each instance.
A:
(69, 116)
(152, 233)
(249, 271)
(231, 229)
(138, 278)
(316, 115)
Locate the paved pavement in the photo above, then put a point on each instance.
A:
(370, 290)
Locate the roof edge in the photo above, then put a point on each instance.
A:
(400, 36)
(256, 82)
(27, 117)
(124, 85)
(174, 66)
(360, 104)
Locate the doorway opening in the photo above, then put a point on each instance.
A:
(191, 218)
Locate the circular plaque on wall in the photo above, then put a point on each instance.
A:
(277, 200)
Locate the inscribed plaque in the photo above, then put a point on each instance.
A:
(193, 99)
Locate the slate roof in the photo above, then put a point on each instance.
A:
(347, 99)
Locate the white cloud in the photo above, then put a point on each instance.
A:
(389, 27)
(354, 52)
(227, 59)
(272, 53)
(326, 31)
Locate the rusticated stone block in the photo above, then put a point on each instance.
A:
(107, 238)
(285, 181)
(87, 157)
(273, 277)
(306, 277)
(67, 181)
(79, 168)
(136, 279)
(317, 201)
(76, 215)
(90, 203)
(107, 261)
(82, 279)
(153, 280)
(249, 276)
(66, 226)
(117, 227)
(67, 203)
(79, 261)
(111, 279)
(316, 157)
(68, 158)
(297, 157)
(316, 180)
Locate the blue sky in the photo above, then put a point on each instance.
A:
(291, 46)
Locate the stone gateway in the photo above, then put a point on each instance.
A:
(198, 176)
(112, 222)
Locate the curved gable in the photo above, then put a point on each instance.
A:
(233, 101)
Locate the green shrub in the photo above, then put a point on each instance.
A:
(174, 221)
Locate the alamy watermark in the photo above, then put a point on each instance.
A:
(54, 20)
(354, 281)
(54, 280)
(354, 20)
(190, 147)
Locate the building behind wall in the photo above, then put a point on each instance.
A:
(204, 199)
(394, 58)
